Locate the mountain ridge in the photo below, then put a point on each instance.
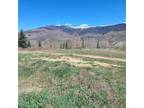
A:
(56, 35)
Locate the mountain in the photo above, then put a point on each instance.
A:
(110, 36)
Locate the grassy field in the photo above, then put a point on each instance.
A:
(86, 78)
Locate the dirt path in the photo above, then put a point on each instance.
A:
(83, 55)
(29, 90)
(101, 57)
(79, 62)
(77, 59)
(92, 56)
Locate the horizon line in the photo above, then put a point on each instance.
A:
(83, 25)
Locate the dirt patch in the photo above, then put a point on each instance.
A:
(102, 86)
(64, 58)
(86, 74)
(81, 65)
(102, 64)
(82, 78)
(49, 106)
(29, 90)
(108, 65)
(101, 57)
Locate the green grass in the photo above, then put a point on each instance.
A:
(33, 100)
(61, 70)
(66, 87)
(73, 98)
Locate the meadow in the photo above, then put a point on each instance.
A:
(74, 78)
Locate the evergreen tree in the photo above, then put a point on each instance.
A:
(29, 44)
(39, 44)
(98, 46)
(22, 40)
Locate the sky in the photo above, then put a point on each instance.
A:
(37, 13)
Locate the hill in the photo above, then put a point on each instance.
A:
(52, 36)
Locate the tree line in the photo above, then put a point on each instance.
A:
(68, 44)
(23, 42)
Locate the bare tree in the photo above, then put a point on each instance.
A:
(83, 44)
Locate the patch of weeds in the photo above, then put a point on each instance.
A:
(24, 57)
(33, 100)
(25, 71)
(63, 71)
(121, 95)
(60, 70)
(98, 71)
(51, 64)
(73, 99)
(101, 99)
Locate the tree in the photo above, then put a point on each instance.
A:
(66, 45)
(83, 45)
(22, 40)
(98, 46)
(29, 44)
(39, 44)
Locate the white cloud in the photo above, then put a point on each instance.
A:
(82, 26)
(58, 25)
(68, 24)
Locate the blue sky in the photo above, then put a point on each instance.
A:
(36, 13)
